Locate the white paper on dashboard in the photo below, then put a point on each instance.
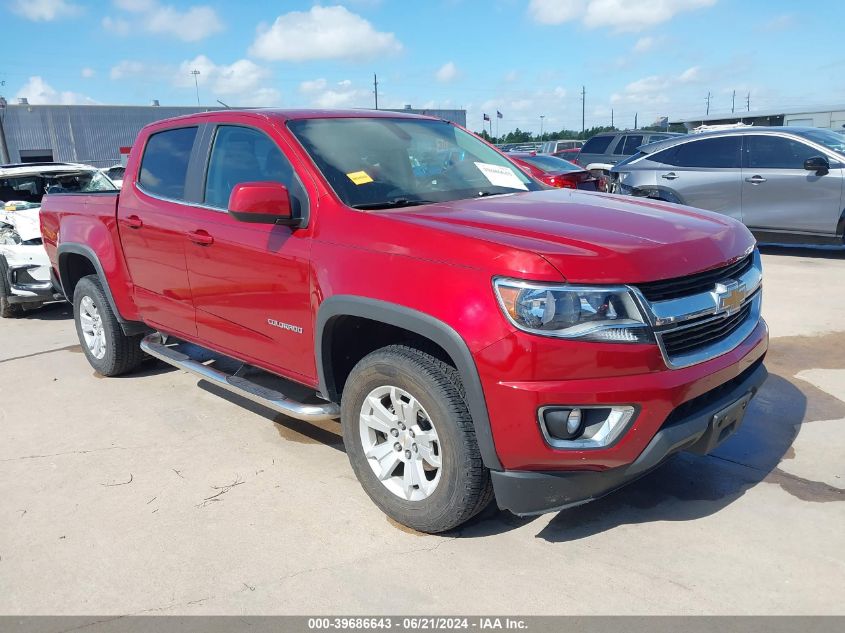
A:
(501, 176)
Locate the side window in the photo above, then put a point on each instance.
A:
(165, 162)
(776, 152)
(241, 154)
(597, 145)
(631, 144)
(721, 152)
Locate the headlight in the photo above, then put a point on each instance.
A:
(577, 312)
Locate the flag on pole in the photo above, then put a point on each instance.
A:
(499, 115)
(486, 117)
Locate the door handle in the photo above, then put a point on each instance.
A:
(670, 176)
(755, 180)
(134, 222)
(200, 237)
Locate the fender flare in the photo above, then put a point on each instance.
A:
(129, 327)
(419, 323)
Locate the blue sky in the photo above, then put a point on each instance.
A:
(526, 58)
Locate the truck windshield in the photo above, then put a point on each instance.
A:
(374, 163)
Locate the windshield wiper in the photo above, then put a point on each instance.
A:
(395, 203)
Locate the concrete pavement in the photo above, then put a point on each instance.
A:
(153, 494)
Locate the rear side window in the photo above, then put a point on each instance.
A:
(628, 145)
(722, 152)
(775, 152)
(597, 145)
(242, 154)
(165, 162)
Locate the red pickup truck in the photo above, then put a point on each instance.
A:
(476, 332)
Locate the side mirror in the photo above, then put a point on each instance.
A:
(262, 203)
(818, 164)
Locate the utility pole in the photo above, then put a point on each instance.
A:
(542, 116)
(611, 117)
(195, 72)
(375, 88)
(708, 102)
(748, 102)
(583, 102)
(635, 120)
(733, 102)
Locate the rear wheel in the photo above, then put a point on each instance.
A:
(106, 347)
(7, 310)
(411, 441)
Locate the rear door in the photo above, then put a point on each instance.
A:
(594, 150)
(251, 282)
(152, 224)
(703, 173)
(626, 146)
(779, 194)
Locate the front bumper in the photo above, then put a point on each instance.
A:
(691, 426)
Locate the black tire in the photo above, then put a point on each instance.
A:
(123, 353)
(7, 310)
(464, 488)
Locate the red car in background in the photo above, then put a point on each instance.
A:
(555, 171)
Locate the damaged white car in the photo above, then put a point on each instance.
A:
(26, 279)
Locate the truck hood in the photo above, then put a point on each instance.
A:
(592, 237)
(25, 222)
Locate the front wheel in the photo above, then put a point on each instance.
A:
(411, 441)
(106, 347)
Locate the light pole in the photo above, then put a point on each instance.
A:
(542, 116)
(195, 72)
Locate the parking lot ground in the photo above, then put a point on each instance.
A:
(153, 494)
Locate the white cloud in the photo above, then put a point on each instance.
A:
(556, 11)
(779, 23)
(644, 44)
(511, 76)
(87, 73)
(190, 25)
(447, 72)
(313, 85)
(44, 10)
(654, 89)
(128, 68)
(690, 74)
(341, 95)
(116, 26)
(243, 80)
(322, 33)
(559, 92)
(39, 92)
(621, 15)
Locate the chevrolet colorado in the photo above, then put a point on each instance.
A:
(476, 333)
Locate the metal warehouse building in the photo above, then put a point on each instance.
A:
(832, 118)
(95, 134)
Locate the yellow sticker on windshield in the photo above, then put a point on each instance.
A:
(359, 177)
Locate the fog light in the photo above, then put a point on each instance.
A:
(563, 424)
(584, 427)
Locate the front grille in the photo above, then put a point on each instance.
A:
(709, 332)
(692, 284)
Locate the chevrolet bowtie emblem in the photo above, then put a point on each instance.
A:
(731, 295)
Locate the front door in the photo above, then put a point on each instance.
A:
(250, 282)
(779, 194)
(152, 226)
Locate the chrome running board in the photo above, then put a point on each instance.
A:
(154, 345)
